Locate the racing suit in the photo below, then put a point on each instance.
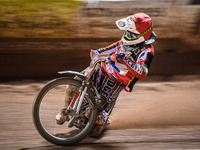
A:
(130, 68)
(120, 74)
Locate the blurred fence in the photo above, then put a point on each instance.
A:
(35, 42)
(171, 18)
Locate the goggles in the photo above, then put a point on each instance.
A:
(129, 36)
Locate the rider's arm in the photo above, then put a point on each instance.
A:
(139, 68)
(109, 49)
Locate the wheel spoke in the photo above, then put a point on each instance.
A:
(49, 103)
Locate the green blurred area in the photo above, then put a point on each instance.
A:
(37, 18)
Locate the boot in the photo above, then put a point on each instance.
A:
(101, 122)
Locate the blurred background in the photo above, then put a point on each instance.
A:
(38, 38)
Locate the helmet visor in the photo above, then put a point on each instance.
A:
(130, 36)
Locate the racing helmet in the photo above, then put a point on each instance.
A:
(138, 29)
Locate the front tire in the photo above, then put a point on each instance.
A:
(49, 102)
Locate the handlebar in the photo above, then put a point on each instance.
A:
(96, 58)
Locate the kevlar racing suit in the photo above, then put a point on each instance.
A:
(119, 74)
(131, 67)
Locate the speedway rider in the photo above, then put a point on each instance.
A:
(130, 57)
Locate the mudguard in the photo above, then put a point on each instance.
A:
(73, 73)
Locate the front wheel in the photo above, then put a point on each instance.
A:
(48, 103)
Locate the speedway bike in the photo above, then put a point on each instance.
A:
(85, 104)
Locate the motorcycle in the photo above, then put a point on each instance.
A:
(86, 104)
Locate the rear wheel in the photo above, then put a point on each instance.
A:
(48, 103)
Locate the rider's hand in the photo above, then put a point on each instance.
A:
(116, 57)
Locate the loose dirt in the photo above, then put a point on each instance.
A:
(152, 107)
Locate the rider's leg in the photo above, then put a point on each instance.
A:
(101, 122)
(102, 119)
(70, 92)
(62, 116)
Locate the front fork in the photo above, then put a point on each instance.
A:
(77, 102)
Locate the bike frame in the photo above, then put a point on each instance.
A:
(86, 79)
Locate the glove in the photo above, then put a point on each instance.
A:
(117, 57)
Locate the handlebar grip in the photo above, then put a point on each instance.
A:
(118, 59)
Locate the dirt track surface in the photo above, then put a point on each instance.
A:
(159, 115)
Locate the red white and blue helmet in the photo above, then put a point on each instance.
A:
(138, 28)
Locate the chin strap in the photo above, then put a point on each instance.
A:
(151, 39)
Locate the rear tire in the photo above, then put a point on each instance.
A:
(45, 129)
